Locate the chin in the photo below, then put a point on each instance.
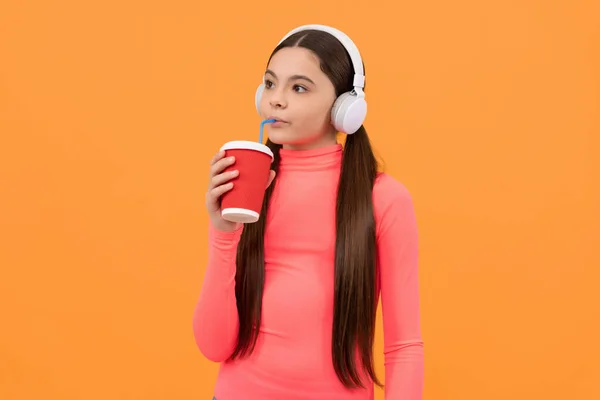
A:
(285, 136)
(280, 136)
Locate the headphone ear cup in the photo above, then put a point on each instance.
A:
(348, 113)
(258, 95)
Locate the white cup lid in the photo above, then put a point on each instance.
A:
(247, 145)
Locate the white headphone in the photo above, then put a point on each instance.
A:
(350, 109)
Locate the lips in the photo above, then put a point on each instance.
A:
(277, 119)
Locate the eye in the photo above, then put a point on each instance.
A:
(299, 89)
(268, 84)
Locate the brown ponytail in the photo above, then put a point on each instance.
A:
(355, 301)
(250, 272)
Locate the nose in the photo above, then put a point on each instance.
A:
(277, 99)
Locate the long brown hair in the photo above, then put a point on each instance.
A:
(355, 300)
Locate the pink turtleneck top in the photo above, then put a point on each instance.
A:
(292, 359)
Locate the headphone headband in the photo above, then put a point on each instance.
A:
(351, 48)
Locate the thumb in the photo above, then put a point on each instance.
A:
(271, 177)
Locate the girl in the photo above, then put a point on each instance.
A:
(288, 304)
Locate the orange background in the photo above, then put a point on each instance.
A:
(109, 113)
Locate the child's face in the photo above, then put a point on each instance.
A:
(300, 95)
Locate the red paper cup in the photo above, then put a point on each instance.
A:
(253, 161)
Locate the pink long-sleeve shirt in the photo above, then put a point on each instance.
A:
(292, 359)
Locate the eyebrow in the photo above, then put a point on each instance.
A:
(293, 77)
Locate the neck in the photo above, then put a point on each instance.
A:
(315, 159)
